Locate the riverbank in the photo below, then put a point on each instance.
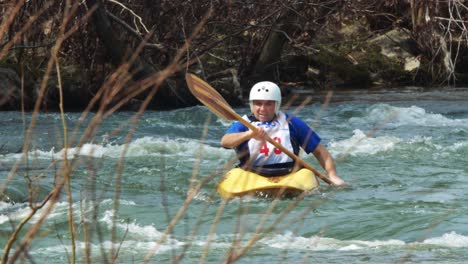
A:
(110, 61)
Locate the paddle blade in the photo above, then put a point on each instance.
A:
(208, 96)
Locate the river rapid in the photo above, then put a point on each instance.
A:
(146, 191)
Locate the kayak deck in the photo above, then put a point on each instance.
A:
(238, 182)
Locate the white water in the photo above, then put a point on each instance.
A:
(405, 162)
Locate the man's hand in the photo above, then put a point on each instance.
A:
(259, 135)
(336, 181)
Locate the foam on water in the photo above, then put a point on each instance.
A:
(396, 116)
(141, 147)
(3, 215)
(290, 241)
(361, 144)
(18, 211)
(451, 239)
(127, 247)
(141, 239)
(147, 240)
(147, 232)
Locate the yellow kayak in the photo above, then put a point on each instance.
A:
(238, 182)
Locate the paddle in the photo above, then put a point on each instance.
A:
(216, 103)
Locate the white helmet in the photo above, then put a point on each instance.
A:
(266, 91)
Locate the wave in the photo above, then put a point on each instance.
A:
(365, 144)
(293, 242)
(360, 143)
(396, 116)
(191, 117)
(289, 240)
(145, 146)
(138, 248)
(140, 239)
(18, 211)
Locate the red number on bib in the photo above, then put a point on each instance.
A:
(276, 150)
(264, 149)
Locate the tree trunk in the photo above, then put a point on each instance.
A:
(116, 50)
(431, 40)
(169, 95)
(418, 14)
(270, 55)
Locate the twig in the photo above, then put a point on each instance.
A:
(133, 32)
(131, 12)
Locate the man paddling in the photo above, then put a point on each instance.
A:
(256, 154)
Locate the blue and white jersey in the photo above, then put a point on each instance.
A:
(289, 131)
(264, 153)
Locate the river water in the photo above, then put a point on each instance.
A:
(403, 154)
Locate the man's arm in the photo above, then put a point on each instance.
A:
(233, 140)
(326, 161)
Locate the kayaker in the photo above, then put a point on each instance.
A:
(256, 154)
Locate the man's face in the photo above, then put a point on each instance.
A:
(264, 110)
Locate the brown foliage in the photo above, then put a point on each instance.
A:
(233, 37)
